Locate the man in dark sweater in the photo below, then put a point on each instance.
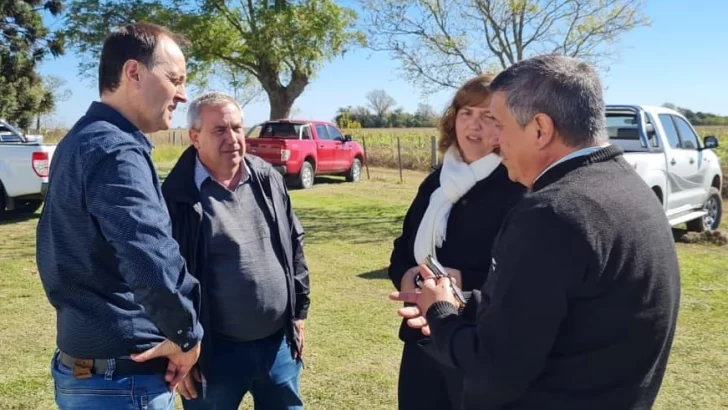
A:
(580, 306)
(232, 217)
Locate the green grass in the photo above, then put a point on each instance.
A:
(353, 353)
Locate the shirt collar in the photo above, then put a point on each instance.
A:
(577, 153)
(201, 173)
(107, 113)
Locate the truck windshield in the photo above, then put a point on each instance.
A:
(280, 130)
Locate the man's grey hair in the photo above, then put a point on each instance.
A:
(564, 88)
(204, 100)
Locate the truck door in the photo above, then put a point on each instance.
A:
(341, 155)
(684, 182)
(326, 149)
(699, 178)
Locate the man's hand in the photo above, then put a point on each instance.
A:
(456, 276)
(300, 328)
(408, 280)
(415, 320)
(430, 293)
(179, 363)
(187, 388)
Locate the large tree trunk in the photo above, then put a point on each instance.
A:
(281, 96)
(280, 104)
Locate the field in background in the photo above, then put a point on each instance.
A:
(415, 144)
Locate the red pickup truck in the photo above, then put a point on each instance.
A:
(301, 149)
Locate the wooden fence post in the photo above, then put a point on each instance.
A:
(399, 158)
(433, 151)
(366, 156)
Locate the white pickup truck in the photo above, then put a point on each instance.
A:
(24, 164)
(667, 153)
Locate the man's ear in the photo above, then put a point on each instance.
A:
(131, 73)
(545, 130)
(195, 137)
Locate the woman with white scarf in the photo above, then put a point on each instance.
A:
(454, 217)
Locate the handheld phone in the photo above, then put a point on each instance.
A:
(440, 272)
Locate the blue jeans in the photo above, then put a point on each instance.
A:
(263, 367)
(107, 391)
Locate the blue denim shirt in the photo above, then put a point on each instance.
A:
(105, 251)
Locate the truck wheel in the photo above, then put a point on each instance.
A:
(354, 174)
(711, 221)
(305, 176)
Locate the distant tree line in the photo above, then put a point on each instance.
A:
(699, 117)
(380, 112)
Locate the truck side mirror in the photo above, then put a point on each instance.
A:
(347, 138)
(710, 142)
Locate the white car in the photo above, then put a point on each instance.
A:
(24, 164)
(667, 153)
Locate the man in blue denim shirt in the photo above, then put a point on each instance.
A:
(127, 309)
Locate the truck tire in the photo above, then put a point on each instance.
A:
(711, 221)
(354, 174)
(305, 176)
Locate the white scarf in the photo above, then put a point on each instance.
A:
(456, 179)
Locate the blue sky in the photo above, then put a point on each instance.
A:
(681, 58)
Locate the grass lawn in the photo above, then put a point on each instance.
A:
(352, 349)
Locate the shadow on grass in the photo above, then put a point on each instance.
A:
(11, 217)
(375, 274)
(351, 225)
(329, 179)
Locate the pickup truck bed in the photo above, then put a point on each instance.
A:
(24, 164)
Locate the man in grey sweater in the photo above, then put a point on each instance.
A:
(232, 217)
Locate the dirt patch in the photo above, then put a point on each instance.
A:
(719, 237)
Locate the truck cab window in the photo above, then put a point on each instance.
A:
(322, 132)
(670, 131)
(688, 138)
(335, 134)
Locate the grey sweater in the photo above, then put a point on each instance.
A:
(247, 280)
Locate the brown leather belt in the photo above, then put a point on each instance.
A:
(123, 367)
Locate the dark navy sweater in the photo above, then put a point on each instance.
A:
(580, 306)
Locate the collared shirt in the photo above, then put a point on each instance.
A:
(105, 251)
(201, 173)
(578, 153)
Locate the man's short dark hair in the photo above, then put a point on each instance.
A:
(131, 42)
(564, 88)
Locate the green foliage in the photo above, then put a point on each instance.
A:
(424, 117)
(282, 44)
(698, 117)
(440, 44)
(24, 42)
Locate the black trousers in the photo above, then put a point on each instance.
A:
(425, 384)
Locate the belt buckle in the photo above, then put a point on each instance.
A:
(82, 368)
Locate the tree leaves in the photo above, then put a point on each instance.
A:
(282, 44)
(439, 43)
(24, 42)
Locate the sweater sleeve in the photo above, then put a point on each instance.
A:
(537, 258)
